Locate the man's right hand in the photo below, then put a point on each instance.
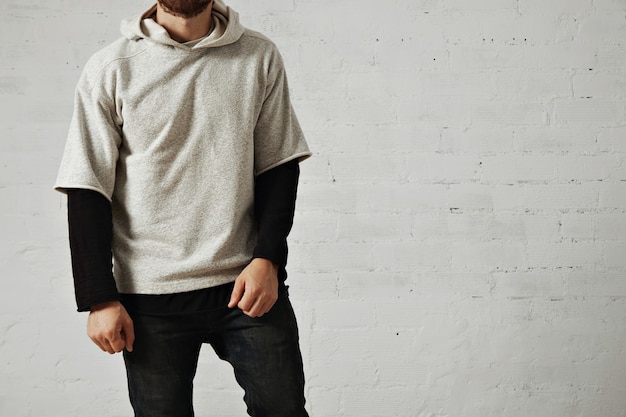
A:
(110, 327)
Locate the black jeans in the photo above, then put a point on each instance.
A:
(264, 353)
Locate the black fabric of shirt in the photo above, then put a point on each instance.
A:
(91, 232)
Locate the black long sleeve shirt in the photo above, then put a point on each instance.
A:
(91, 232)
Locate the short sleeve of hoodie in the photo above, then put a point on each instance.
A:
(91, 150)
(278, 137)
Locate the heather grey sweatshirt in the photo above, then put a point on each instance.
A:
(173, 136)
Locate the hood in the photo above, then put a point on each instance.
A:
(226, 28)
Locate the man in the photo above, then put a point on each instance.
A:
(181, 165)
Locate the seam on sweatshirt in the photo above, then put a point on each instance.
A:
(99, 73)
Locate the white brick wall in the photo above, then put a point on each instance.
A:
(459, 247)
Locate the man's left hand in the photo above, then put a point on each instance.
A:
(256, 288)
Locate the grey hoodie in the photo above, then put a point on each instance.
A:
(173, 136)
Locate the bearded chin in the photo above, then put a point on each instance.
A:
(184, 8)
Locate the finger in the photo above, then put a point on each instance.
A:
(266, 305)
(109, 349)
(117, 342)
(104, 344)
(129, 335)
(247, 301)
(270, 305)
(258, 308)
(237, 293)
(100, 342)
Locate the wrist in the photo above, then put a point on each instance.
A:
(266, 263)
(104, 305)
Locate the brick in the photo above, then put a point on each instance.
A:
(533, 84)
(306, 85)
(464, 225)
(457, 84)
(594, 284)
(313, 226)
(509, 197)
(518, 226)
(252, 8)
(392, 312)
(618, 171)
(446, 112)
(343, 314)
(496, 112)
(586, 168)
(400, 54)
(481, 256)
(374, 286)
(540, 227)
(555, 7)
(477, 139)
(371, 112)
(323, 133)
(577, 226)
(441, 168)
(599, 85)
(609, 226)
(325, 197)
(400, 197)
(359, 169)
(396, 402)
(375, 226)
(561, 196)
(613, 195)
(610, 57)
(566, 254)
(316, 170)
(607, 5)
(405, 256)
(612, 139)
(353, 365)
(614, 254)
(601, 27)
(540, 28)
(471, 196)
(220, 402)
(529, 284)
(322, 401)
(403, 138)
(446, 282)
(600, 113)
(312, 284)
(538, 57)
(515, 168)
(331, 257)
(379, 85)
(553, 139)
(487, 5)
(428, 225)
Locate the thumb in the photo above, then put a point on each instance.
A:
(235, 296)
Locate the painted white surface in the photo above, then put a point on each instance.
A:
(459, 247)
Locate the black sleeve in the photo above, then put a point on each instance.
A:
(274, 205)
(91, 232)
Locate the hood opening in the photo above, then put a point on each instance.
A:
(226, 28)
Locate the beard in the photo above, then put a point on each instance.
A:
(184, 8)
